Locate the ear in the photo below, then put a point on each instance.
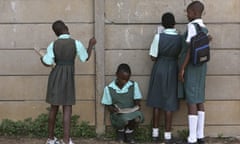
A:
(195, 13)
(66, 27)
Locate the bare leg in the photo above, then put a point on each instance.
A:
(201, 122)
(131, 125)
(192, 109)
(156, 116)
(200, 107)
(67, 113)
(155, 127)
(51, 120)
(168, 121)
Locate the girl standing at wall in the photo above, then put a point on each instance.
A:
(162, 93)
(61, 87)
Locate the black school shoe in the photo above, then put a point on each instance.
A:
(155, 139)
(169, 141)
(174, 141)
(201, 141)
(120, 136)
(129, 138)
(189, 143)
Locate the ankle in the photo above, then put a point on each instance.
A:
(51, 137)
(66, 141)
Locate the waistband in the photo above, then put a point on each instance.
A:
(168, 57)
(65, 62)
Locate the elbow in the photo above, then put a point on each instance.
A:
(153, 58)
(45, 64)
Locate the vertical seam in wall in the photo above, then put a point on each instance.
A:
(99, 31)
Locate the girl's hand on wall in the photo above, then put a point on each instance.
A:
(92, 41)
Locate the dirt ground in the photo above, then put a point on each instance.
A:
(11, 140)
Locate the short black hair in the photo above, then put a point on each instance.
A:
(197, 6)
(168, 20)
(59, 27)
(124, 68)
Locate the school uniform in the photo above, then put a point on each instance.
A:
(193, 88)
(194, 76)
(123, 98)
(162, 91)
(61, 85)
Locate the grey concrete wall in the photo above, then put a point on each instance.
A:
(124, 30)
(26, 24)
(129, 29)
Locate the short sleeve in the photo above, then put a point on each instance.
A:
(137, 92)
(81, 51)
(48, 58)
(154, 46)
(106, 98)
(191, 31)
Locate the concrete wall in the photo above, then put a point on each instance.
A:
(124, 30)
(26, 24)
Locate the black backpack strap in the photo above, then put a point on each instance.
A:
(133, 83)
(198, 27)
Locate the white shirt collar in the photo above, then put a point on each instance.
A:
(199, 21)
(170, 31)
(64, 36)
(124, 88)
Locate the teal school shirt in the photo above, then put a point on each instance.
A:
(107, 100)
(82, 54)
(154, 46)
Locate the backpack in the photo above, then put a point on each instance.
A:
(200, 50)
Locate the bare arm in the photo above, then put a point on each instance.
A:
(186, 61)
(91, 44)
(41, 58)
(112, 108)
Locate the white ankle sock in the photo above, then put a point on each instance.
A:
(121, 130)
(200, 126)
(167, 135)
(155, 132)
(192, 124)
(128, 131)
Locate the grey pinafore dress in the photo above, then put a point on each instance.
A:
(162, 91)
(61, 86)
(193, 88)
(123, 100)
